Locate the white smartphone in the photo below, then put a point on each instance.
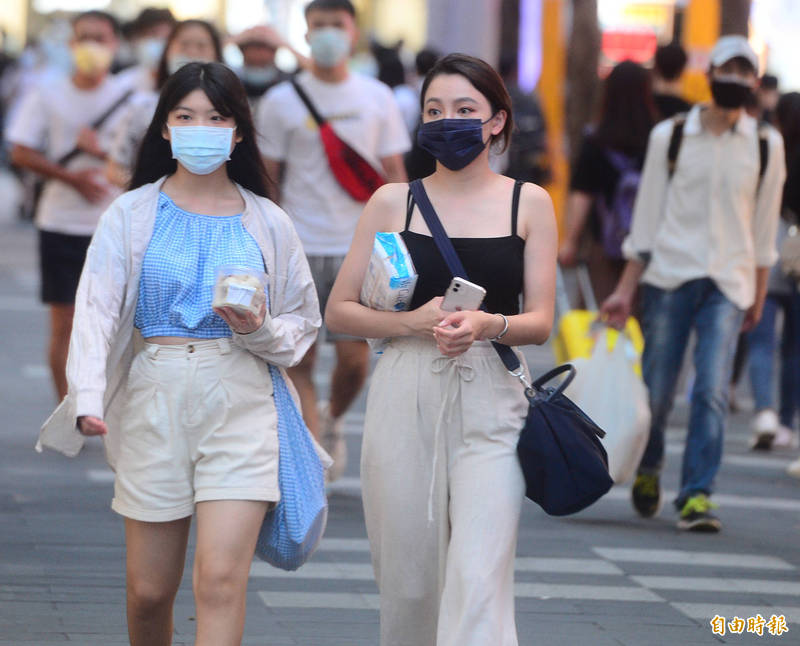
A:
(462, 295)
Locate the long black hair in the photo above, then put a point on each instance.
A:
(162, 72)
(226, 93)
(628, 112)
(787, 115)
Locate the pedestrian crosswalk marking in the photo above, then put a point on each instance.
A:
(693, 559)
(709, 584)
(100, 475)
(344, 544)
(20, 304)
(771, 462)
(709, 610)
(566, 566)
(724, 500)
(366, 601)
(321, 600)
(340, 571)
(363, 571)
(585, 592)
(352, 487)
(634, 588)
(35, 371)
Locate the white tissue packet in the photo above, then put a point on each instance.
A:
(240, 288)
(390, 279)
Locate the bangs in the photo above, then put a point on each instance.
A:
(220, 99)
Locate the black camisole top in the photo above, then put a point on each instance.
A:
(496, 264)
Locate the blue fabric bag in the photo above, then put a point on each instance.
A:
(564, 463)
(292, 530)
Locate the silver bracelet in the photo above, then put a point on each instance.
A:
(505, 328)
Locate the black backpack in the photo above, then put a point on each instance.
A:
(679, 121)
(527, 153)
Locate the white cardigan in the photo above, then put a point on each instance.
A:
(104, 341)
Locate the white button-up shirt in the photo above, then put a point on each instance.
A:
(711, 219)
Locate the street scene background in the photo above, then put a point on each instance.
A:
(602, 577)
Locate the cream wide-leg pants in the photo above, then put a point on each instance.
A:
(442, 491)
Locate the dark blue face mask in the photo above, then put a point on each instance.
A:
(453, 142)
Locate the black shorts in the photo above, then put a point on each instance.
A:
(61, 258)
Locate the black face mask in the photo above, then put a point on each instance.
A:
(729, 94)
(455, 143)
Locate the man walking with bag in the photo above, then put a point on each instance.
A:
(701, 244)
(61, 132)
(327, 139)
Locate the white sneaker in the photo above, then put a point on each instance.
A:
(765, 426)
(331, 437)
(785, 438)
(794, 468)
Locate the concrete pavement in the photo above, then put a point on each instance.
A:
(601, 577)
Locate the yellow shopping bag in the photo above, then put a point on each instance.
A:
(577, 330)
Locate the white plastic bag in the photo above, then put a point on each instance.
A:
(615, 397)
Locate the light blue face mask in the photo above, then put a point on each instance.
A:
(329, 46)
(201, 149)
(148, 51)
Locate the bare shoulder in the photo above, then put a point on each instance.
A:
(387, 207)
(536, 211)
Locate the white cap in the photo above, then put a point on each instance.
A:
(733, 46)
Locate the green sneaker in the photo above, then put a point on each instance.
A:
(646, 495)
(696, 515)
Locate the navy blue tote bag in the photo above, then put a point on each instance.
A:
(563, 461)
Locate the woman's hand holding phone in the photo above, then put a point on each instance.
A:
(456, 333)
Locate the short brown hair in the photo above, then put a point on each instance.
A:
(483, 78)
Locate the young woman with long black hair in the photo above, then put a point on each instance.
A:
(612, 150)
(442, 484)
(182, 392)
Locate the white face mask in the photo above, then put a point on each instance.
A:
(329, 46)
(177, 62)
(259, 75)
(148, 51)
(201, 149)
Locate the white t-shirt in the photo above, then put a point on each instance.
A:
(131, 128)
(364, 113)
(49, 119)
(138, 77)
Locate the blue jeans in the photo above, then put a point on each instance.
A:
(762, 357)
(668, 317)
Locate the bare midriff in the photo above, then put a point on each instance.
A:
(173, 340)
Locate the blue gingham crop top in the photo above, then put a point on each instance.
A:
(179, 271)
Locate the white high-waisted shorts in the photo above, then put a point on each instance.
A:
(199, 424)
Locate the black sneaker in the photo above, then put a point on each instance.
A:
(696, 515)
(646, 495)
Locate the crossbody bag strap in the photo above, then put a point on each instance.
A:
(675, 139)
(97, 123)
(307, 102)
(445, 246)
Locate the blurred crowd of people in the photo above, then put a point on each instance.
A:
(78, 101)
(605, 184)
